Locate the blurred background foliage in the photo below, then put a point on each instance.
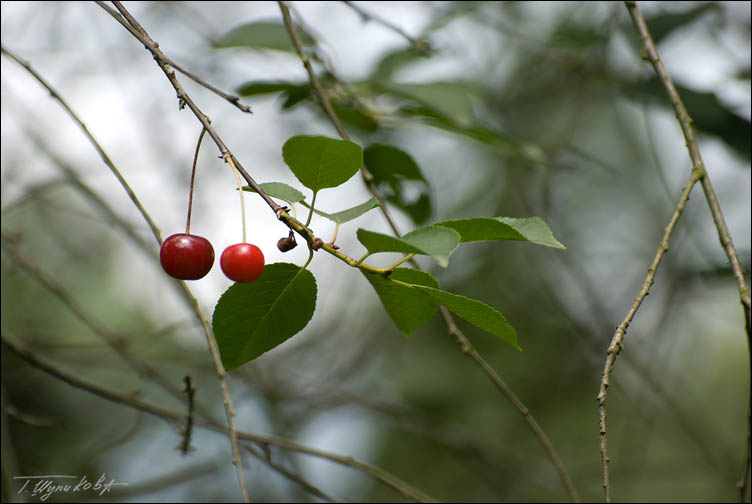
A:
(508, 109)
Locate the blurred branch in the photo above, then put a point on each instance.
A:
(650, 53)
(190, 391)
(419, 44)
(10, 465)
(465, 345)
(100, 151)
(175, 418)
(115, 341)
(312, 489)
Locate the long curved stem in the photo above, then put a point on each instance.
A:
(193, 179)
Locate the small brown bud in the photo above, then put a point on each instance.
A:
(287, 243)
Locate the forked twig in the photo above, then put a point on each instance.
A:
(698, 174)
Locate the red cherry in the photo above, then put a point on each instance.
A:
(242, 262)
(186, 257)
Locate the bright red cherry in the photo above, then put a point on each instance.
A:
(186, 257)
(242, 262)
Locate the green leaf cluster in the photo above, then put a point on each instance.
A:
(252, 318)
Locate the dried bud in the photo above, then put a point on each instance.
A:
(286, 244)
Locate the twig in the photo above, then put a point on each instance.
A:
(135, 29)
(233, 99)
(462, 341)
(743, 483)
(312, 489)
(617, 342)
(190, 392)
(115, 341)
(471, 352)
(100, 151)
(174, 419)
(650, 52)
(418, 44)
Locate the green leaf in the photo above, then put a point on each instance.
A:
(320, 162)
(265, 87)
(354, 116)
(260, 35)
(254, 317)
(477, 313)
(408, 308)
(397, 176)
(295, 95)
(435, 241)
(443, 99)
(708, 113)
(532, 229)
(280, 191)
(350, 213)
(392, 61)
(664, 23)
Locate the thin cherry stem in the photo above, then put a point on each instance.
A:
(334, 236)
(404, 259)
(310, 213)
(240, 190)
(360, 261)
(193, 178)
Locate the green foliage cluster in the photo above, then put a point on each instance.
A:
(250, 320)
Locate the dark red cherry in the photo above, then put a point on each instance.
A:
(186, 257)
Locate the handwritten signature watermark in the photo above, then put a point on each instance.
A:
(45, 486)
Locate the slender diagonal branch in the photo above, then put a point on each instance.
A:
(617, 341)
(465, 345)
(135, 29)
(233, 99)
(418, 44)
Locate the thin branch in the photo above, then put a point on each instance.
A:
(743, 482)
(233, 99)
(115, 341)
(174, 419)
(419, 44)
(135, 29)
(471, 352)
(296, 478)
(617, 341)
(132, 195)
(462, 341)
(190, 392)
(650, 52)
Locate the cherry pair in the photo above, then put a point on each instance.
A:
(190, 257)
